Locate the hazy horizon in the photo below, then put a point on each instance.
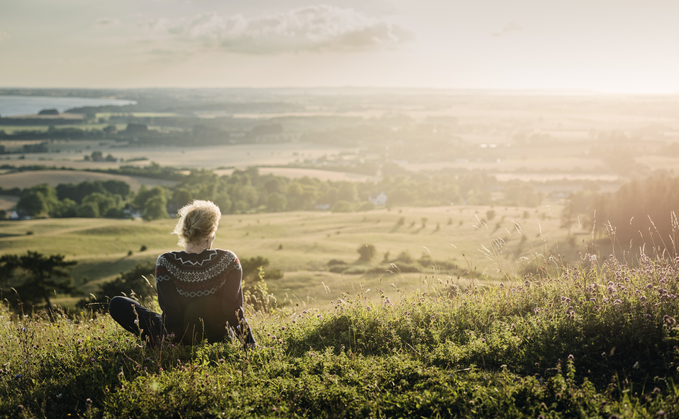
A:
(526, 45)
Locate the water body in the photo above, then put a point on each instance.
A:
(31, 105)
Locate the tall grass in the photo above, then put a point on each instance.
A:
(598, 340)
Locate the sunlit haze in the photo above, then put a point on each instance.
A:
(604, 45)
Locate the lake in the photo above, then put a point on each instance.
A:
(31, 105)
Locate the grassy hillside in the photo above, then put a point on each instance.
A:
(302, 243)
(598, 340)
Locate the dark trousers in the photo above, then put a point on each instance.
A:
(137, 319)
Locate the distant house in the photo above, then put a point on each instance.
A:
(379, 199)
(131, 211)
(19, 215)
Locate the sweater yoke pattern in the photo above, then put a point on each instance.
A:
(196, 277)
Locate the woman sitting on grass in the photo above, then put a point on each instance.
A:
(199, 289)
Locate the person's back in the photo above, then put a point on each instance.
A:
(200, 293)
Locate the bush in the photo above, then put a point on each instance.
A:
(366, 252)
(342, 206)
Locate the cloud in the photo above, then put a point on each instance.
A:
(510, 27)
(3, 36)
(107, 21)
(310, 28)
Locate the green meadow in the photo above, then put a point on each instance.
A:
(597, 340)
(409, 243)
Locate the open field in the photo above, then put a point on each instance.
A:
(7, 201)
(55, 177)
(295, 173)
(209, 157)
(302, 243)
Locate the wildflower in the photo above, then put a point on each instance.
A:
(571, 357)
(669, 320)
(592, 258)
(656, 390)
(660, 413)
(304, 312)
(136, 321)
(88, 401)
(642, 298)
(282, 327)
(17, 376)
(368, 308)
(616, 302)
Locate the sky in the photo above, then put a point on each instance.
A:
(614, 46)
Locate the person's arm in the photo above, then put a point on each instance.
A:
(168, 300)
(234, 303)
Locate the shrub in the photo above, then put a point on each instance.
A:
(342, 206)
(366, 252)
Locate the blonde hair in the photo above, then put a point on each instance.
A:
(197, 221)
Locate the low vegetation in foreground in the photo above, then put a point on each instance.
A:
(598, 340)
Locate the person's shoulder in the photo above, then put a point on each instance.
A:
(167, 256)
(228, 255)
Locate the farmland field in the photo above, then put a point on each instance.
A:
(55, 177)
(8, 202)
(295, 173)
(209, 157)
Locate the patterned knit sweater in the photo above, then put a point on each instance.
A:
(200, 293)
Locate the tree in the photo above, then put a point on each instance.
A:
(155, 208)
(276, 203)
(347, 192)
(38, 200)
(38, 276)
(366, 252)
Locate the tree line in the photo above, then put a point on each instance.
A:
(640, 212)
(247, 191)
